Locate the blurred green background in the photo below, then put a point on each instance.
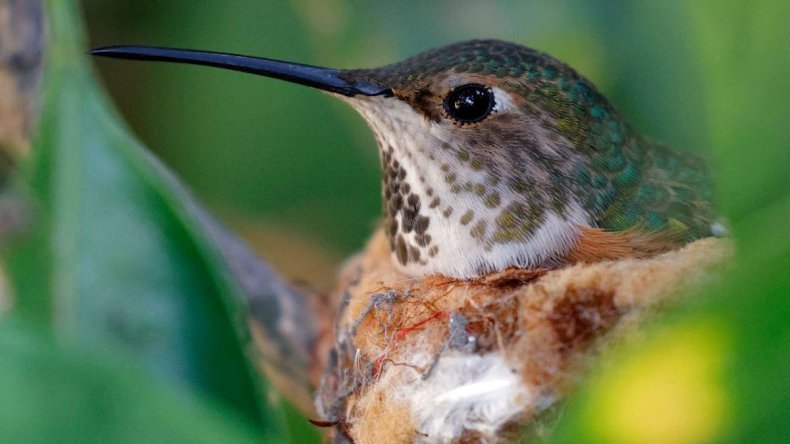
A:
(296, 171)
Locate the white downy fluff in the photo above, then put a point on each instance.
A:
(464, 392)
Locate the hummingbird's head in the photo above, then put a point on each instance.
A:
(489, 149)
(486, 151)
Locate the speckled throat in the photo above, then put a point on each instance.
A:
(453, 210)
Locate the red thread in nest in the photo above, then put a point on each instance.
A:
(400, 334)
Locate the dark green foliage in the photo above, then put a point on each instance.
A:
(63, 394)
(118, 259)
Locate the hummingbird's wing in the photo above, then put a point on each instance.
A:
(672, 196)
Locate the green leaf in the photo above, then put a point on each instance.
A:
(120, 256)
(58, 394)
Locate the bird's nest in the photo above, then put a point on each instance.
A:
(436, 359)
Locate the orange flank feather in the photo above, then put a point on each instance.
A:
(598, 244)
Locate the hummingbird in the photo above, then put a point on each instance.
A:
(498, 162)
(497, 156)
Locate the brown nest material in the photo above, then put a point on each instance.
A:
(440, 360)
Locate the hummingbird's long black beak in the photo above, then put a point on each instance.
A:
(327, 79)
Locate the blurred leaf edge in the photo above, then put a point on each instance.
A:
(65, 58)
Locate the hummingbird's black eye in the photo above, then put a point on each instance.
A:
(469, 103)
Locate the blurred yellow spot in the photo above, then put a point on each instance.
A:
(671, 392)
